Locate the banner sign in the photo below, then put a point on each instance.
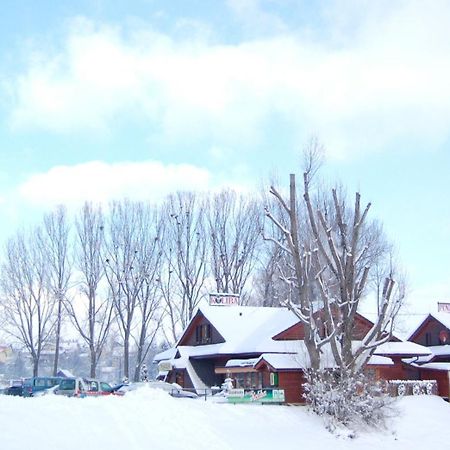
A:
(444, 307)
(223, 299)
(256, 396)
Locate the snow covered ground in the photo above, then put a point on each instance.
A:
(149, 418)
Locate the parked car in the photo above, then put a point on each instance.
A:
(37, 384)
(116, 388)
(174, 390)
(49, 391)
(72, 387)
(96, 387)
(15, 388)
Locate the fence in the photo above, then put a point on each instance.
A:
(400, 388)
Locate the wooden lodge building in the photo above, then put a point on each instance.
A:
(260, 348)
(434, 333)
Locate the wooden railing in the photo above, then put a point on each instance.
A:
(400, 388)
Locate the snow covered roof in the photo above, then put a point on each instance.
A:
(437, 366)
(442, 317)
(283, 361)
(166, 354)
(299, 360)
(248, 322)
(440, 350)
(237, 347)
(65, 373)
(241, 362)
(377, 360)
(402, 349)
(435, 350)
(245, 329)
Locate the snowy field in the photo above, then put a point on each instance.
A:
(150, 419)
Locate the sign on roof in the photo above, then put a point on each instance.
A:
(222, 299)
(444, 307)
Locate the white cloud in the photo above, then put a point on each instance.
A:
(389, 81)
(100, 182)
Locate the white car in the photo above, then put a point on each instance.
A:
(49, 391)
(175, 390)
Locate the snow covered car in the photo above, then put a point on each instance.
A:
(49, 391)
(174, 390)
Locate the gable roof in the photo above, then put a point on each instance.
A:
(244, 323)
(403, 349)
(251, 323)
(443, 318)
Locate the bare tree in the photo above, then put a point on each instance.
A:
(92, 312)
(331, 247)
(235, 231)
(185, 250)
(28, 307)
(150, 311)
(131, 264)
(56, 235)
(271, 291)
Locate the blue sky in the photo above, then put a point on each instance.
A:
(101, 99)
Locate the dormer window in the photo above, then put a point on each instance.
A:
(203, 334)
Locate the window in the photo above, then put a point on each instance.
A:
(427, 338)
(273, 378)
(203, 334)
(249, 380)
(67, 385)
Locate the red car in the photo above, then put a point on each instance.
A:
(97, 388)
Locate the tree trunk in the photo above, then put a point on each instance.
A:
(126, 356)
(93, 361)
(35, 366)
(58, 337)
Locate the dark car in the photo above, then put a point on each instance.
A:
(37, 384)
(15, 388)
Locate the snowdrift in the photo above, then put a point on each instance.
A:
(152, 419)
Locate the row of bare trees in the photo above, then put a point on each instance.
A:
(140, 270)
(133, 268)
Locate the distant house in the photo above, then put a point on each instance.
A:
(434, 330)
(434, 333)
(260, 348)
(5, 353)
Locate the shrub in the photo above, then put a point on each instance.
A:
(345, 397)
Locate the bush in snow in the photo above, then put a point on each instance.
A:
(345, 397)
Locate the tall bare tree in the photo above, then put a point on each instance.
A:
(235, 231)
(331, 247)
(92, 311)
(131, 264)
(185, 251)
(56, 248)
(150, 311)
(28, 307)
